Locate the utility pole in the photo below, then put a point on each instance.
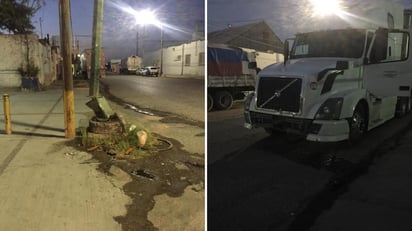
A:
(161, 50)
(41, 27)
(65, 40)
(96, 48)
(183, 58)
(143, 38)
(137, 41)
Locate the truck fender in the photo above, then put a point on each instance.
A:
(350, 99)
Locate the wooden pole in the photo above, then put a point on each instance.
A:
(7, 118)
(65, 40)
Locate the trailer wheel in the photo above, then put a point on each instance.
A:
(358, 124)
(223, 100)
(209, 102)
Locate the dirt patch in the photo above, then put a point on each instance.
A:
(169, 171)
(165, 172)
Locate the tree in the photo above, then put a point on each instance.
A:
(15, 15)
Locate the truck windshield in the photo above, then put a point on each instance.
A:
(347, 43)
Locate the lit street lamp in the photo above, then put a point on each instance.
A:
(145, 17)
(326, 7)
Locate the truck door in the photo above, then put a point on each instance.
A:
(386, 72)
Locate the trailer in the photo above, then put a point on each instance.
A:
(231, 72)
(130, 64)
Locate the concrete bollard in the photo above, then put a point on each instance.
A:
(7, 118)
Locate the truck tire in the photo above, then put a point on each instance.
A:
(358, 124)
(223, 100)
(105, 127)
(209, 102)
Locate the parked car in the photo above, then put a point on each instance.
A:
(152, 71)
(142, 71)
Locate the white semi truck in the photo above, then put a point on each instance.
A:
(131, 64)
(335, 84)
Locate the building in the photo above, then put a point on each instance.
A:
(115, 65)
(186, 60)
(256, 36)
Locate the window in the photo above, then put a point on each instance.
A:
(390, 46)
(391, 22)
(201, 58)
(347, 43)
(397, 46)
(179, 58)
(187, 60)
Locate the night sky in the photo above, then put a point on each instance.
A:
(286, 18)
(120, 28)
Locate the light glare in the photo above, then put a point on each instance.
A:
(145, 17)
(326, 7)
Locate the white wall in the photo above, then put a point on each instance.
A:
(264, 59)
(186, 60)
(14, 50)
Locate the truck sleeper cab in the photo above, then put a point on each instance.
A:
(334, 85)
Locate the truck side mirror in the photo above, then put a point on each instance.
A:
(285, 52)
(380, 46)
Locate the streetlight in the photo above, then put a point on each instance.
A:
(145, 17)
(326, 7)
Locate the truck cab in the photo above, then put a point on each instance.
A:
(334, 85)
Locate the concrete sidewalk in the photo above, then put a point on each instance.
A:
(44, 184)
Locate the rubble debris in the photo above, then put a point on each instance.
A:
(92, 148)
(143, 173)
(198, 187)
(105, 127)
(69, 153)
(101, 108)
(195, 164)
(128, 151)
(142, 137)
(111, 152)
(162, 143)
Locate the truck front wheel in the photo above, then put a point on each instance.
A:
(358, 124)
(223, 100)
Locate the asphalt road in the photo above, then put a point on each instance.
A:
(226, 134)
(179, 96)
(261, 182)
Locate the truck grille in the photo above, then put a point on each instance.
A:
(280, 94)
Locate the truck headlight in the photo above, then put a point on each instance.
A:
(330, 109)
(248, 101)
